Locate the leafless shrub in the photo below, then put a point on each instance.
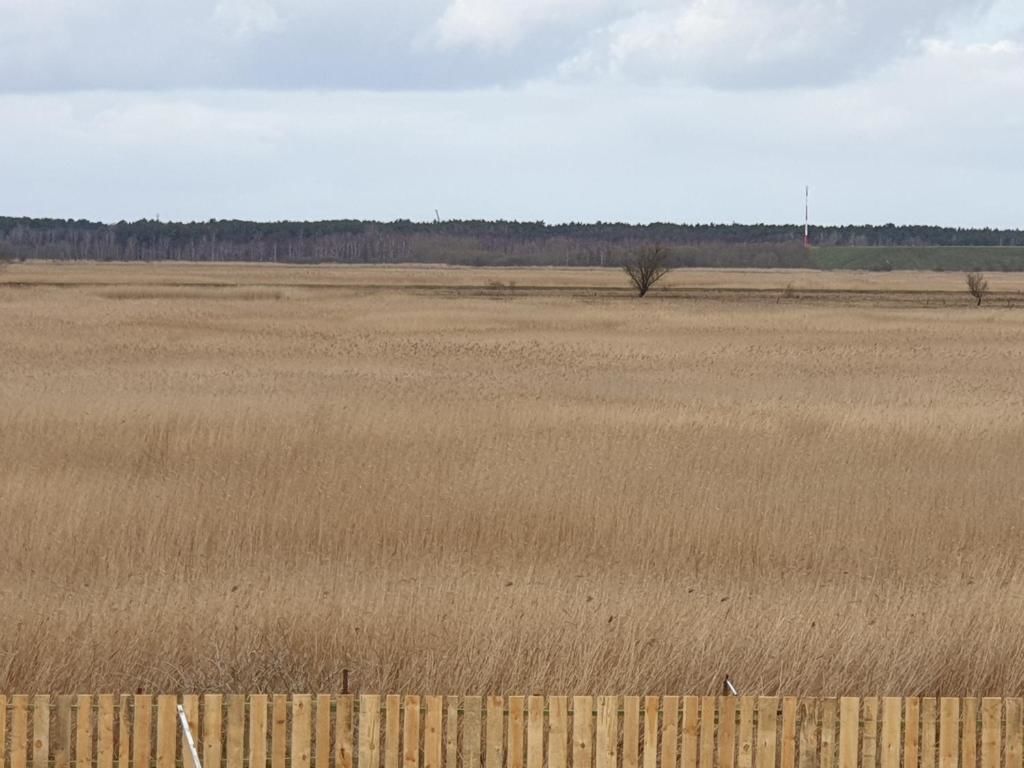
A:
(977, 286)
(646, 267)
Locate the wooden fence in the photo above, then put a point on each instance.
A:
(342, 731)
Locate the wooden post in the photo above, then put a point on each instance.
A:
(582, 732)
(767, 726)
(369, 732)
(258, 703)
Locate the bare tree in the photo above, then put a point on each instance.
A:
(646, 267)
(977, 286)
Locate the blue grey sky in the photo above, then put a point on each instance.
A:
(910, 111)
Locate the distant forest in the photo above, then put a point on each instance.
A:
(510, 243)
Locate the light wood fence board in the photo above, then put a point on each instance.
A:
(969, 734)
(369, 732)
(258, 704)
(322, 748)
(124, 731)
(669, 731)
(892, 721)
(991, 732)
(411, 733)
(1013, 732)
(849, 731)
(726, 732)
(302, 730)
(535, 732)
(767, 728)
(278, 731)
(911, 732)
(691, 732)
(869, 733)
(433, 751)
(828, 733)
(166, 731)
(582, 732)
(652, 705)
(213, 736)
(344, 744)
(61, 741)
(928, 733)
(234, 737)
(40, 731)
(19, 732)
(189, 703)
(558, 731)
(745, 757)
(708, 705)
(451, 733)
(471, 731)
(392, 731)
(84, 733)
(789, 720)
(495, 732)
(607, 743)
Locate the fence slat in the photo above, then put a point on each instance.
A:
(516, 723)
(534, 732)
(344, 747)
(61, 741)
(234, 739)
(278, 732)
(142, 730)
(708, 705)
(745, 758)
(927, 752)
(582, 732)
(558, 731)
(40, 731)
(828, 733)
(669, 731)
(302, 730)
(369, 732)
(691, 731)
(808, 750)
(124, 731)
(189, 703)
(607, 754)
(257, 731)
(213, 720)
(949, 732)
(789, 710)
(451, 734)
(392, 730)
(652, 707)
(322, 757)
(869, 733)
(495, 731)
(969, 734)
(991, 732)
(1013, 733)
(471, 728)
(911, 732)
(166, 731)
(849, 731)
(411, 733)
(432, 735)
(83, 733)
(726, 732)
(892, 720)
(19, 732)
(767, 725)
(3, 731)
(631, 732)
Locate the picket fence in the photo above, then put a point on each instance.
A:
(369, 731)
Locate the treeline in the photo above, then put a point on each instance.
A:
(479, 243)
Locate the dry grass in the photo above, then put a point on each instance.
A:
(251, 489)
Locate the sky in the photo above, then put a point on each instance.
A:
(904, 111)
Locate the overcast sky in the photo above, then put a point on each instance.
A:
(910, 111)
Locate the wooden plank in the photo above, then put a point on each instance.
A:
(213, 719)
(411, 733)
(451, 733)
(745, 755)
(928, 730)
(392, 731)
(61, 739)
(142, 731)
(471, 727)
(19, 731)
(652, 705)
(869, 732)
(828, 733)
(322, 757)
(849, 731)
(189, 703)
(84, 733)
(535, 732)
(949, 732)
(40, 731)
(969, 734)
(767, 727)
(892, 722)
(369, 732)
(789, 714)
(607, 742)
(991, 731)
(166, 731)
(433, 735)
(278, 731)
(516, 733)
(691, 731)
(302, 730)
(258, 704)
(582, 732)
(124, 731)
(808, 748)
(708, 705)
(3, 731)
(1013, 733)
(558, 731)
(344, 744)
(911, 731)
(631, 732)
(726, 732)
(495, 735)
(234, 732)
(669, 731)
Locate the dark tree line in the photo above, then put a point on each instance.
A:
(498, 243)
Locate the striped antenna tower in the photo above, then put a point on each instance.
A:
(807, 216)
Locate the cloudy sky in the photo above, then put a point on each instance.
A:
(909, 111)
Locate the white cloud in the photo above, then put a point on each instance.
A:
(245, 19)
(488, 24)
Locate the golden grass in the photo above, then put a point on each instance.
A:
(253, 488)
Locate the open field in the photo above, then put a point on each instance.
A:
(446, 486)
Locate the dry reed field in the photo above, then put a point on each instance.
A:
(248, 478)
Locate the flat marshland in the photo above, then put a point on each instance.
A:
(249, 478)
